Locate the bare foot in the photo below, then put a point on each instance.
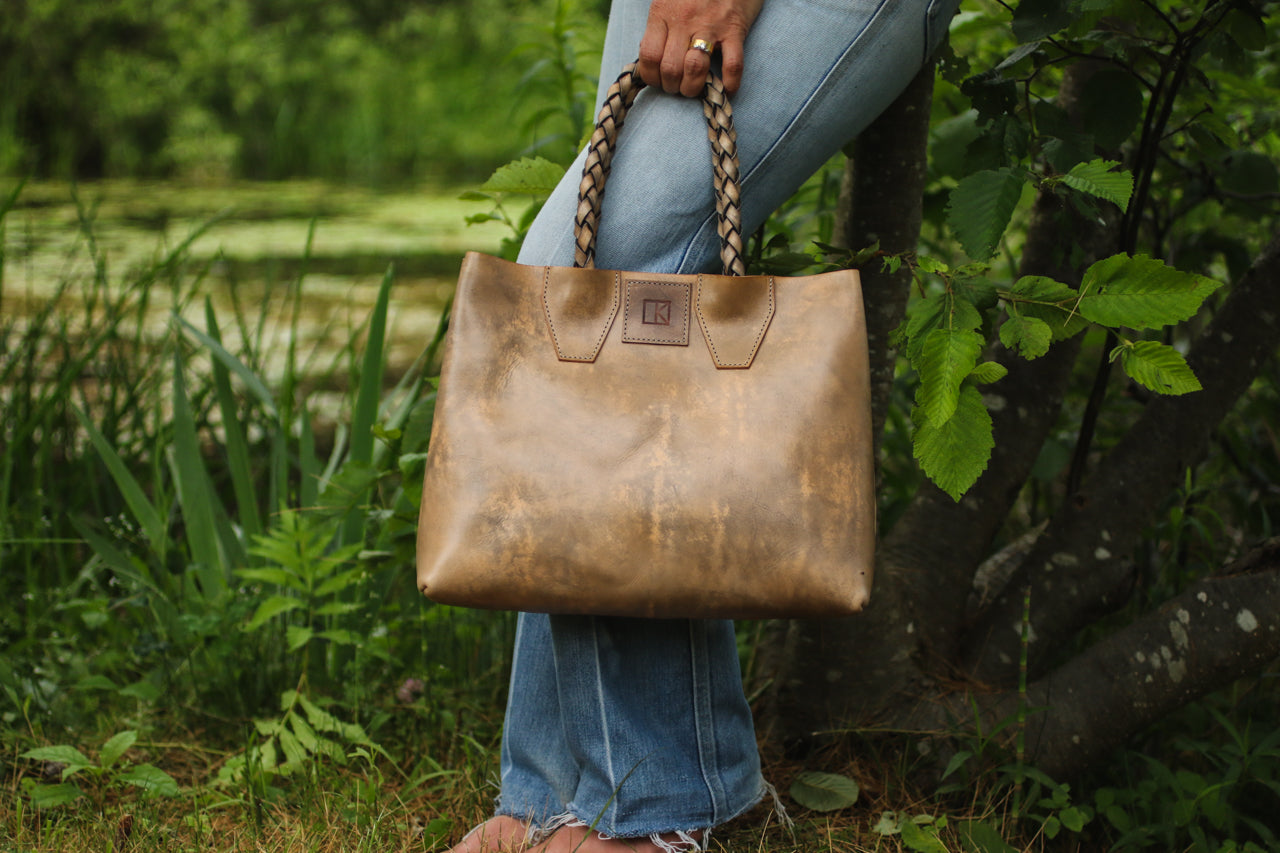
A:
(580, 839)
(500, 834)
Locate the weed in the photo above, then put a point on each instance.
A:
(62, 766)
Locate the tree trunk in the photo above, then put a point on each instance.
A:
(900, 662)
(812, 664)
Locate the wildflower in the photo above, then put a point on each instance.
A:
(410, 690)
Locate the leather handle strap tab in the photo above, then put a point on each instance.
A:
(724, 159)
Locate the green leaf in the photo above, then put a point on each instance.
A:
(342, 580)
(297, 636)
(1118, 818)
(1111, 107)
(932, 265)
(269, 609)
(957, 761)
(1141, 293)
(1051, 827)
(1029, 336)
(1158, 367)
(267, 728)
(342, 637)
(116, 747)
(142, 690)
(1035, 19)
(940, 310)
(1073, 818)
(947, 357)
(59, 754)
(920, 839)
(295, 755)
(988, 372)
(1049, 301)
(96, 682)
(54, 796)
(977, 290)
(1249, 173)
(955, 453)
(1097, 179)
(978, 836)
(991, 95)
(824, 792)
(151, 779)
(1246, 28)
(887, 824)
(302, 730)
(531, 175)
(279, 577)
(338, 608)
(980, 208)
(326, 722)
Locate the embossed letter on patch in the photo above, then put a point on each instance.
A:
(657, 312)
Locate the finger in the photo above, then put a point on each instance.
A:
(731, 64)
(652, 48)
(696, 65)
(672, 67)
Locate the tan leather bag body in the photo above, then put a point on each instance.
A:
(634, 444)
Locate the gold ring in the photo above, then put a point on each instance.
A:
(702, 45)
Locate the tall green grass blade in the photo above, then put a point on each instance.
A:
(160, 585)
(237, 446)
(195, 491)
(148, 516)
(6, 206)
(340, 436)
(367, 398)
(370, 390)
(84, 218)
(251, 381)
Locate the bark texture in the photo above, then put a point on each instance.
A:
(1217, 630)
(812, 663)
(828, 670)
(1077, 570)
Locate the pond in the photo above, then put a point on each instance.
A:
(250, 256)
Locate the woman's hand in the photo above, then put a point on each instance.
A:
(667, 57)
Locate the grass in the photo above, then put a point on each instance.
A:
(207, 540)
(411, 804)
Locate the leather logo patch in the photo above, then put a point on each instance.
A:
(657, 312)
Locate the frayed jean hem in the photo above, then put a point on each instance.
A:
(688, 839)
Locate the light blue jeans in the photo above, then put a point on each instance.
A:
(634, 726)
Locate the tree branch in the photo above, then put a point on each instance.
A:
(937, 568)
(1077, 570)
(1218, 630)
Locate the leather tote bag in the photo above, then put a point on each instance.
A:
(633, 444)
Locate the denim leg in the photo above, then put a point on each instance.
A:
(817, 73)
(538, 770)
(660, 728)
(642, 724)
(635, 726)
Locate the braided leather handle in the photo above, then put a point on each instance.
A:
(724, 159)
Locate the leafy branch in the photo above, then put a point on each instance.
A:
(943, 338)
